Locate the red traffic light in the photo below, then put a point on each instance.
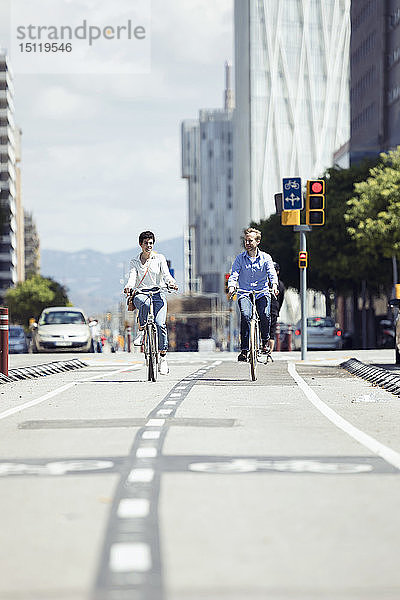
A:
(317, 187)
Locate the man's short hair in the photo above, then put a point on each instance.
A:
(252, 230)
(146, 235)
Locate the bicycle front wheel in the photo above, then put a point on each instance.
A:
(253, 345)
(153, 354)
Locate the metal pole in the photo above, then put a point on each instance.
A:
(303, 296)
(4, 341)
(128, 336)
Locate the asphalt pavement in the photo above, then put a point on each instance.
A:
(203, 485)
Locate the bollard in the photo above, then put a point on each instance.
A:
(4, 341)
(289, 339)
(278, 337)
(128, 335)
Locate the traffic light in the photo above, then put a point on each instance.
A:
(315, 202)
(303, 259)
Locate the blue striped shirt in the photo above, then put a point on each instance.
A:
(257, 274)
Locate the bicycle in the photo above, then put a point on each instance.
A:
(150, 339)
(254, 335)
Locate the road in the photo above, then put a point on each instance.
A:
(201, 486)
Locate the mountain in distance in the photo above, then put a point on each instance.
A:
(95, 280)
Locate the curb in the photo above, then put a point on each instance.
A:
(376, 375)
(42, 370)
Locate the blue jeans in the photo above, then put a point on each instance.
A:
(263, 306)
(142, 303)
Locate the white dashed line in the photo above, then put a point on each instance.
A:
(130, 508)
(146, 452)
(150, 435)
(155, 422)
(141, 476)
(130, 557)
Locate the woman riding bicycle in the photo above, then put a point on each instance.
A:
(148, 272)
(253, 270)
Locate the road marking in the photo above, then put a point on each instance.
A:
(56, 392)
(141, 476)
(21, 407)
(164, 412)
(155, 422)
(178, 395)
(146, 452)
(131, 508)
(181, 387)
(171, 402)
(391, 456)
(150, 435)
(130, 557)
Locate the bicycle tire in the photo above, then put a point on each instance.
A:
(253, 350)
(153, 351)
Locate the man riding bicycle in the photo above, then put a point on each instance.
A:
(253, 270)
(149, 271)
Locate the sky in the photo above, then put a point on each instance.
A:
(101, 154)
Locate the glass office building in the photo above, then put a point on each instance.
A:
(292, 95)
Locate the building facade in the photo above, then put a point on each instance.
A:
(8, 192)
(207, 164)
(292, 95)
(375, 77)
(31, 246)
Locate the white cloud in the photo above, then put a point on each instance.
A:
(101, 154)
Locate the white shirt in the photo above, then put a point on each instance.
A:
(157, 272)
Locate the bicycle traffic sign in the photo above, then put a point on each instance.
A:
(292, 195)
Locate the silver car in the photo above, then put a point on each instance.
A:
(322, 333)
(62, 328)
(17, 342)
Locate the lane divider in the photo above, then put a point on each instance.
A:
(389, 455)
(32, 372)
(133, 569)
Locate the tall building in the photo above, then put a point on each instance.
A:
(19, 209)
(32, 246)
(207, 164)
(8, 193)
(292, 88)
(375, 77)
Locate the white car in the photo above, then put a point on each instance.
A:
(62, 328)
(322, 333)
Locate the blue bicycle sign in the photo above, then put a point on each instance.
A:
(292, 196)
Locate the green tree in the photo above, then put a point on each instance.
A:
(336, 262)
(30, 297)
(373, 213)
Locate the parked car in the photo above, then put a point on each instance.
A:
(17, 342)
(322, 333)
(62, 328)
(395, 303)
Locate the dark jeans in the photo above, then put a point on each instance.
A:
(263, 306)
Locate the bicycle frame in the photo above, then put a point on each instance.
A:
(150, 341)
(254, 334)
